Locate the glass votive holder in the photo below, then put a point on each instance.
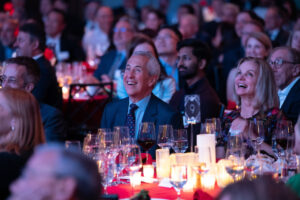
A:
(148, 172)
(162, 163)
(135, 179)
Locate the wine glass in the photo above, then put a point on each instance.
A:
(121, 163)
(235, 155)
(165, 136)
(256, 134)
(134, 158)
(283, 137)
(178, 177)
(107, 168)
(180, 143)
(203, 161)
(122, 134)
(91, 145)
(146, 136)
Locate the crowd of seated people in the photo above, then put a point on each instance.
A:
(244, 55)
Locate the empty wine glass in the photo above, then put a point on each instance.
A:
(203, 161)
(165, 136)
(283, 137)
(256, 134)
(146, 136)
(121, 163)
(235, 155)
(122, 135)
(178, 177)
(91, 145)
(134, 158)
(107, 169)
(180, 143)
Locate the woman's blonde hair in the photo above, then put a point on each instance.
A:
(27, 131)
(262, 38)
(265, 91)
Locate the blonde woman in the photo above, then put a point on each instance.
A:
(20, 131)
(258, 45)
(257, 99)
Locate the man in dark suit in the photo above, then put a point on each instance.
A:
(31, 42)
(24, 73)
(65, 47)
(193, 57)
(273, 24)
(8, 37)
(141, 74)
(285, 63)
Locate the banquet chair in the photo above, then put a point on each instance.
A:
(84, 108)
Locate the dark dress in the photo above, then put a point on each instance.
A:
(10, 169)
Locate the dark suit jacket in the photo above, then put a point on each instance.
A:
(72, 46)
(281, 38)
(107, 60)
(291, 105)
(53, 122)
(47, 90)
(157, 111)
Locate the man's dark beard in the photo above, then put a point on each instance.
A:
(188, 73)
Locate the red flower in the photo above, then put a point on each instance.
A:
(48, 53)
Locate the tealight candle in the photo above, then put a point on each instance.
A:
(162, 163)
(135, 179)
(148, 171)
(208, 181)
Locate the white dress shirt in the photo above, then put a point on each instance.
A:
(282, 94)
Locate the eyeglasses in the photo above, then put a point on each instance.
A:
(277, 63)
(9, 81)
(165, 37)
(122, 30)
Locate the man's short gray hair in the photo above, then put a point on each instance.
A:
(75, 165)
(152, 65)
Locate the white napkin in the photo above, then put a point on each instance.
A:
(165, 183)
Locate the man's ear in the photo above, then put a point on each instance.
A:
(202, 64)
(29, 87)
(296, 70)
(152, 81)
(35, 44)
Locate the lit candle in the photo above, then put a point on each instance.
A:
(162, 163)
(208, 180)
(135, 179)
(148, 171)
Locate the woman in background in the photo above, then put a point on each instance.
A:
(20, 131)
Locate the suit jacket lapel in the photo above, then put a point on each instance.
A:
(121, 115)
(151, 111)
(287, 102)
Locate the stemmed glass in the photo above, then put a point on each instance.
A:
(134, 158)
(284, 137)
(256, 134)
(106, 167)
(146, 136)
(178, 177)
(165, 136)
(235, 154)
(91, 145)
(204, 160)
(180, 143)
(122, 134)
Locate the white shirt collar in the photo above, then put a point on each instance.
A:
(37, 56)
(282, 94)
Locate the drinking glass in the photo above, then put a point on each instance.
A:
(91, 145)
(73, 145)
(236, 165)
(107, 169)
(256, 134)
(284, 137)
(165, 136)
(122, 132)
(203, 161)
(121, 163)
(134, 158)
(178, 177)
(146, 136)
(180, 143)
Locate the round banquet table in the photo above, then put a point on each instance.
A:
(125, 191)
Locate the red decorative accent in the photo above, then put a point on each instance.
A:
(200, 195)
(203, 3)
(48, 53)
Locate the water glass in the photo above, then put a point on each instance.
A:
(178, 177)
(180, 143)
(165, 136)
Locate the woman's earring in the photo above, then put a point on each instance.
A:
(12, 128)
